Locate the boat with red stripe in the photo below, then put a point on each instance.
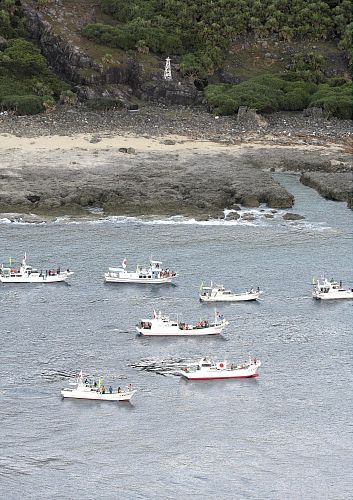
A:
(207, 369)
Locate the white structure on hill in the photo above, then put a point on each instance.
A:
(167, 70)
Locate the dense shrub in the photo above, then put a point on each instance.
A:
(22, 105)
(334, 100)
(24, 72)
(12, 21)
(269, 93)
(201, 27)
(131, 35)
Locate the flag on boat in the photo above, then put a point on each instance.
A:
(10, 261)
(124, 264)
(154, 314)
(313, 280)
(201, 286)
(24, 260)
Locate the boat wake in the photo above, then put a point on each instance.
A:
(163, 367)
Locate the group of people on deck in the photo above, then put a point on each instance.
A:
(103, 390)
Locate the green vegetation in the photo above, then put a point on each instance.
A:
(27, 86)
(12, 22)
(201, 32)
(270, 93)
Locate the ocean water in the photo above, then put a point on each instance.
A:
(286, 434)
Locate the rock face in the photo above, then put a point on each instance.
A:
(93, 79)
(292, 216)
(233, 216)
(159, 184)
(249, 119)
(169, 92)
(329, 174)
(333, 186)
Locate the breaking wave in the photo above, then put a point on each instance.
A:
(259, 217)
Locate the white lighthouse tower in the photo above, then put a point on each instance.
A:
(167, 70)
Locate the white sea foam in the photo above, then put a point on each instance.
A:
(258, 217)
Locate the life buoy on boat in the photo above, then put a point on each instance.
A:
(220, 366)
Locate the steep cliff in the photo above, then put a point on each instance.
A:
(56, 28)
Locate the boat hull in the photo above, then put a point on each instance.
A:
(177, 332)
(97, 396)
(149, 281)
(235, 298)
(333, 296)
(190, 376)
(35, 279)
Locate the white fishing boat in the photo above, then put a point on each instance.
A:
(85, 388)
(220, 294)
(28, 274)
(206, 369)
(154, 274)
(326, 290)
(163, 326)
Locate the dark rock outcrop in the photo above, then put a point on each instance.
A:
(94, 79)
(249, 119)
(292, 216)
(333, 186)
(160, 183)
(233, 216)
(168, 92)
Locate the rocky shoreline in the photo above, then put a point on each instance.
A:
(184, 176)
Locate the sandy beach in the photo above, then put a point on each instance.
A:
(165, 143)
(150, 163)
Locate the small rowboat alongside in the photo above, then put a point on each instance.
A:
(154, 275)
(28, 274)
(88, 389)
(206, 369)
(220, 294)
(161, 326)
(326, 290)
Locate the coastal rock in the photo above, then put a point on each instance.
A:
(249, 119)
(24, 218)
(250, 201)
(292, 216)
(3, 42)
(95, 139)
(248, 216)
(148, 183)
(167, 142)
(233, 216)
(333, 186)
(313, 112)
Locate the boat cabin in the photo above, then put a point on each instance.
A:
(205, 363)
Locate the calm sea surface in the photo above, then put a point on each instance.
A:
(285, 435)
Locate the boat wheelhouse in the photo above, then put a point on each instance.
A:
(326, 290)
